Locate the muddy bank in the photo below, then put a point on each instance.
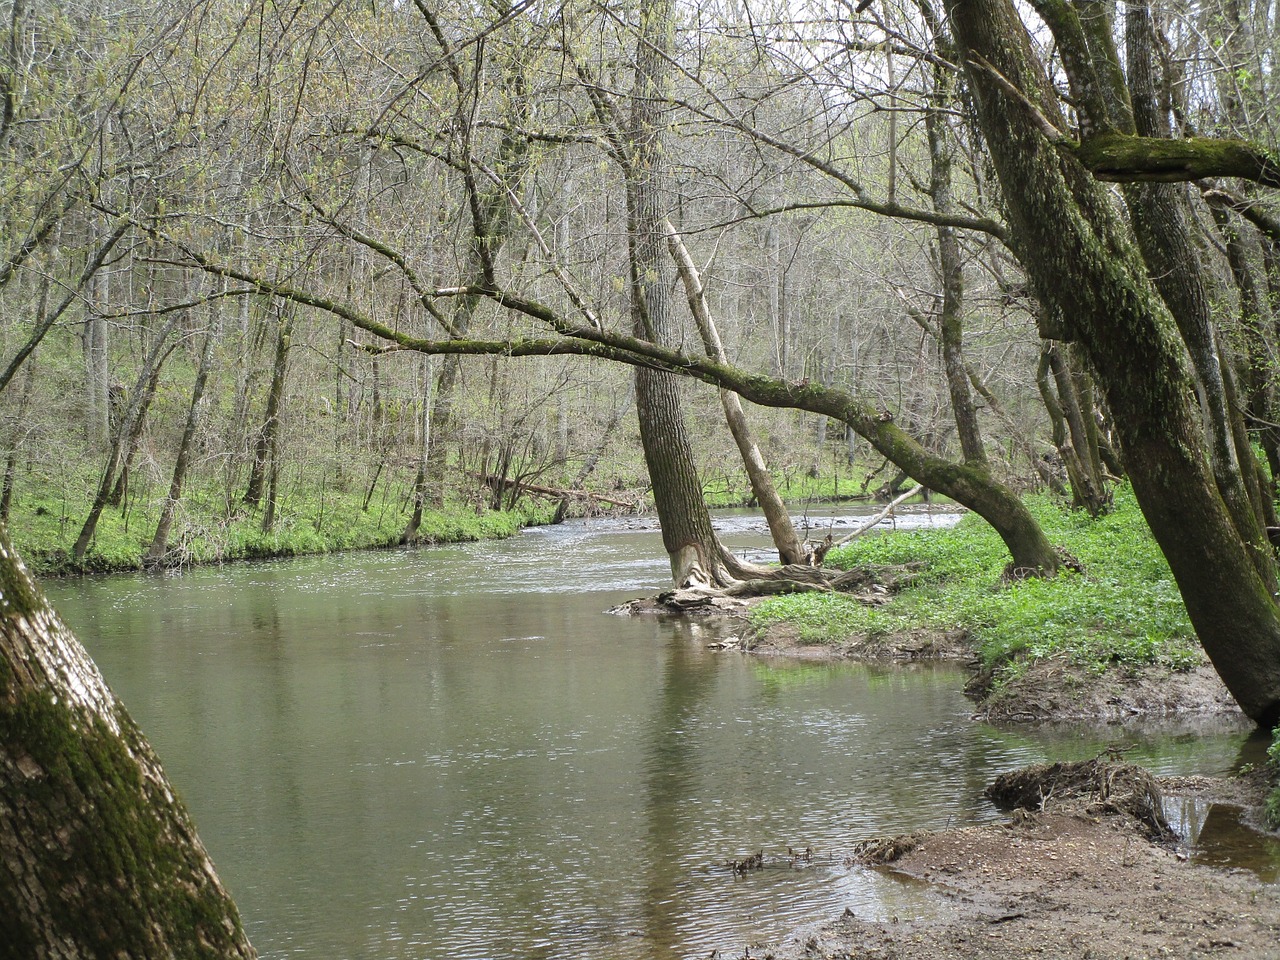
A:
(1043, 691)
(1079, 871)
(1084, 873)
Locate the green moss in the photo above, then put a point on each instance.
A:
(18, 596)
(125, 880)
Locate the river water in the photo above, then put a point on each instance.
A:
(456, 752)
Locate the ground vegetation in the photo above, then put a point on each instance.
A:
(276, 263)
(944, 592)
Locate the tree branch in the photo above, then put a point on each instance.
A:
(1118, 158)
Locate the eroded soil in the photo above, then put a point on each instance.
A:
(1069, 881)
(1047, 691)
(1073, 878)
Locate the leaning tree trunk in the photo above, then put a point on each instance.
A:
(134, 413)
(98, 858)
(785, 539)
(1162, 217)
(160, 542)
(265, 443)
(1086, 267)
(696, 556)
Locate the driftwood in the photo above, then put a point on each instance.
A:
(506, 483)
(872, 521)
(1110, 786)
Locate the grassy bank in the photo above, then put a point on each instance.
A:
(1125, 608)
(208, 529)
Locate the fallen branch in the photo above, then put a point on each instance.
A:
(887, 511)
(506, 483)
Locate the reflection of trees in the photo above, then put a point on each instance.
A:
(670, 782)
(1224, 841)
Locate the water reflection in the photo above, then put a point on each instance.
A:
(455, 752)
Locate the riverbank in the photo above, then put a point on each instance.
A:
(1103, 642)
(1074, 876)
(1075, 873)
(207, 531)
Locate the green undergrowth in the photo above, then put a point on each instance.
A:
(307, 521)
(1124, 609)
(1271, 810)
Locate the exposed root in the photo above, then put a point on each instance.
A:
(883, 850)
(871, 585)
(1066, 561)
(1111, 787)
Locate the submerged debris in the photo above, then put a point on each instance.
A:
(799, 857)
(1110, 786)
(881, 850)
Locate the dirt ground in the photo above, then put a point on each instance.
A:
(1068, 881)
(1072, 878)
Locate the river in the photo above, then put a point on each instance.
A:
(456, 752)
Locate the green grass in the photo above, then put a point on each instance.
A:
(795, 487)
(1125, 608)
(308, 520)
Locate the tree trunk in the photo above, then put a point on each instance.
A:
(1071, 412)
(421, 492)
(951, 271)
(1162, 219)
(120, 489)
(97, 856)
(133, 413)
(692, 547)
(1086, 268)
(593, 458)
(15, 441)
(160, 542)
(266, 440)
(96, 362)
(790, 548)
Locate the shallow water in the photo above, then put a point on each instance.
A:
(455, 752)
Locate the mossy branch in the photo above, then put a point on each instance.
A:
(1119, 158)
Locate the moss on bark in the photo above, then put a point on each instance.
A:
(98, 858)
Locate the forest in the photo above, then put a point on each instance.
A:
(306, 276)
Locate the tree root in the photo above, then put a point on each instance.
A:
(1112, 787)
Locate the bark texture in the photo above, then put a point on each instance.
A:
(98, 858)
(691, 543)
(783, 531)
(1087, 268)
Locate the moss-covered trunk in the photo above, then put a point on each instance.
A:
(98, 858)
(1088, 271)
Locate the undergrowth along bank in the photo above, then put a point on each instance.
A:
(1124, 609)
(308, 521)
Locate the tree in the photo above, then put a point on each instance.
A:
(1087, 269)
(97, 855)
(692, 546)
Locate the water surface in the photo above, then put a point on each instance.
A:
(455, 752)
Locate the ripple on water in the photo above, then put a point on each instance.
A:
(454, 752)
